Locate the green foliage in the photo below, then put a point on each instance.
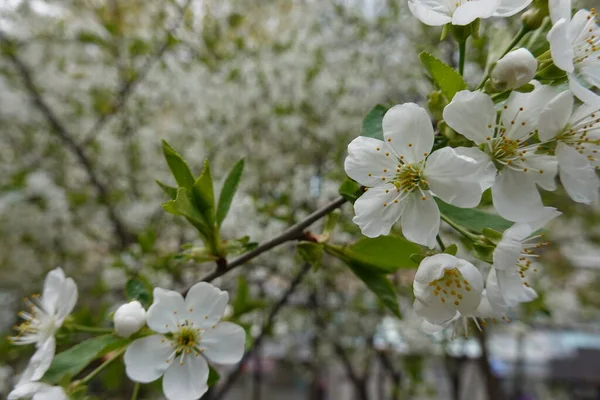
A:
(311, 252)
(139, 289)
(169, 190)
(371, 126)
(243, 303)
(380, 285)
(446, 78)
(228, 191)
(472, 218)
(213, 376)
(183, 206)
(350, 190)
(179, 168)
(72, 361)
(204, 196)
(452, 249)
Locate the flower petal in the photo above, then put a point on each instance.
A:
(521, 112)
(205, 304)
(408, 130)
(515, 196)
(421, 219)
(367, 162)
(224, 344)
(457, 178)
(547, 167)
(472, 298)
(428, 15)
(66, 300)
(187, 381)
(40, 361)
(432, 268)
(577, 175)
(53, 285)
(560, 45)
(51, 393)
(508, 8)
(513, 288)
(471, 10)
(582, 93)
(166, 311)
(559, 9)
(37, 391)
(507, 252)
(372, 216)
(555, 116)
(472, 114)
(437, 313)
(148, 358)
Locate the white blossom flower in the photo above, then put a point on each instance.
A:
(45, 316)
(514, 70)
(402, 176)
(129, 318)
(445, 285)
(506, 141)
(463, 12)
(509, 279)
(575, 48)
(577, 136)
(189, 331)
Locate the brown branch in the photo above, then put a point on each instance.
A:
(128, 86)
(232, 377)
(359, 384)
(295, 232)
(66, 137)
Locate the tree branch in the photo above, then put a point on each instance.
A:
(358, 383)
(295, 232)
(232, 377)
(65, 136)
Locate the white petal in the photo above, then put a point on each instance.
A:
(549, 166)
(367, 162)
(51, 393)
(560, 45)
(187, 381)
(582, 93)
(372, 216)
(555, 116)
(421, 219)
(472, 114)
(205, 304)
(428, 15)
(224, 344)
(472, 298)
(410, 130)
(437, 313)
(167, 309)
(148, 358)
(67, 300)
(432, 268)
(522, 111)
(30, 389)
(577, 175)
(53, 285)
(591, 73)
(515, 196)
(513, 288)
(509, 8)
(470, 11)
(456, 177)
(507, 252)
(40, 361)
(559, 9)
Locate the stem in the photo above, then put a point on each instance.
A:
(459, 228)
(136, 390)
(101, 367)
(522, 32)
(90, 329)
(440, 242)
(462, 53)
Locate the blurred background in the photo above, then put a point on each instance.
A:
(88, 88)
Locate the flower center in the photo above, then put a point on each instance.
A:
(582, 135)
(409, 177)
(527, 252)
(450, 288)
(587, 48)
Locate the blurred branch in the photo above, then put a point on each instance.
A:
(128, 86)
(232, 377)
(359, 384)
(66, 137)
(295, 232)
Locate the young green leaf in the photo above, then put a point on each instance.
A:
(472, 218)
(371, 125)
(137, 289)
(228, 191)
(380, 285)
(213, 376)
(179, 168)
(183, 206)
(169, 190)
(350, 190)
(72, 361)
(204, 196)
(445, 77)
(311, 252)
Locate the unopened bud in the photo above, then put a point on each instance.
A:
(129, 318)
(514, 70)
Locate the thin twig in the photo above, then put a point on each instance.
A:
(232, 377)
(295, 232)
(67, 138)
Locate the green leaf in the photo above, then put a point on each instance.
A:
(169, 190)
(472, 218)
(204, 196)
(371, 126)
(179, 168)
(311, 252)
(452, 249)
(241, 296)
(183, 206)
(239, 246)
(350, 190)
(137, 289)
(228, 191)
(380, 285)
(213, 376)
(445, 77)
(72, 361)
